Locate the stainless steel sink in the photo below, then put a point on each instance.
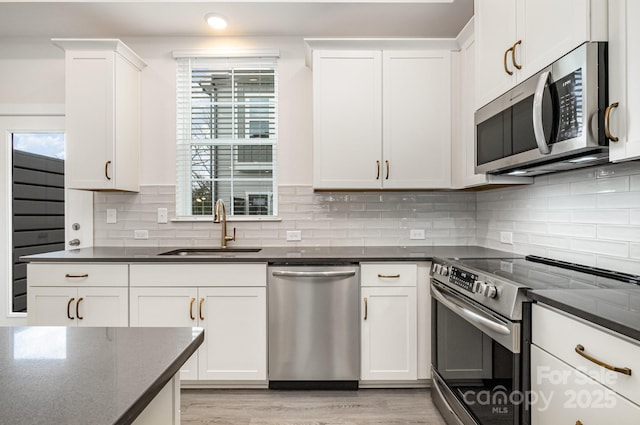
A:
(208, 251)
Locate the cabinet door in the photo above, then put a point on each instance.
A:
(89, 100)
(624, 87)
(51, 306)
(564, 395)
(235, 322)
(167, 306)
(102, 307)
(389, 333)
(416, 119)
(347, 119)
(549, 29)
(495, 31)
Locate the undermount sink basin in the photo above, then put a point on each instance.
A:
(208, 251)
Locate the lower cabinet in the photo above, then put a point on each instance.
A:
(389, 336)
(78, 306)
(234, 317)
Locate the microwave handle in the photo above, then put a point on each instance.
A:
(538, 129)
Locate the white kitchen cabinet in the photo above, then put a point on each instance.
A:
(381, 119)
(463, 154)
(517, 38)
(77, 295)
(229, 302)
(389, 335)
(102, 101)
(624, 86)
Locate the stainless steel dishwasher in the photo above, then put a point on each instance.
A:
(314, 327)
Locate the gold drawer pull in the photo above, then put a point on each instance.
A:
(623, 370)
(389, 276)
(76, 276)
(506, 53)
(191, 308)
(200, 309)
(513, 55)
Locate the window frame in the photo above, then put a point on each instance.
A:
(185, 141)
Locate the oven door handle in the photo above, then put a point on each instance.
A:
(538, 129)
(473, 316)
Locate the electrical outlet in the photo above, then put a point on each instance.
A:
(416, 234)
(163, 215)
(112, 215)
(140, 234)
(506, 237)
(294, 235)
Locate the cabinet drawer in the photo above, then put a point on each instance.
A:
(220, 274)
(77, 274)
(388, 274)
(564, 395)
(560, 334)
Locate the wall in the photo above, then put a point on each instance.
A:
(589, 216)
(325, 219)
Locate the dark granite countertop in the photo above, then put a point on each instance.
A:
(614, 309)
(307, 255)
(73, 376)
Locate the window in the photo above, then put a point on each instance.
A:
(227, 135)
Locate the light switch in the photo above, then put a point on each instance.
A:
(141, 234)
(162, 215)
(112, 215)
(294, 235)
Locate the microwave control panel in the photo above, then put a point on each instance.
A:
(570, 104)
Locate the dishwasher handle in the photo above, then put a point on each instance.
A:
(311, 274)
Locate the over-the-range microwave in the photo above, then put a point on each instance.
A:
(553, 121)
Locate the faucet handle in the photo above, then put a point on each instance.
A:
(231, 238)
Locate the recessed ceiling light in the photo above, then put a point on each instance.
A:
(216, 21)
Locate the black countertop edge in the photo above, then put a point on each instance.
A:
(591, 317)
(132, 413)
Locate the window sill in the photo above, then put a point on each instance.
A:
(230, 219)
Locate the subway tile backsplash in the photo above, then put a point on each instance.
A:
(324, 218)
(590, 216)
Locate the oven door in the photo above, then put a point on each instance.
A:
(475, 360)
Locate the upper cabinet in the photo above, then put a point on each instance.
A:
(624, 88)
(102, 101)
(381, 118)
(517, 38)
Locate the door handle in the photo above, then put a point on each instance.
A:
(387, 164)
(624, 370)
(74, 242)
(366, 308)
(378, 168)
(607, 127)
(200, 309)
(106, 170)
(287, 273)
(76, 276)
(69, 307)
(78, 308)
(538, 129)
(191, 308)
(513, 54)
(506, 68)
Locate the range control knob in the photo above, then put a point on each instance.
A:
(437, 268)
(486, 289)
(445, 271)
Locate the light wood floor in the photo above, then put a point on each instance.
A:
(270, 407)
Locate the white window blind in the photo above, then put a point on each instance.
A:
(226, 135)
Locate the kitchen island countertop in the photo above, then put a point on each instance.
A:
(291, 255)
(59, 375)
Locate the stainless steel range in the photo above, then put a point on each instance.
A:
(481, 330)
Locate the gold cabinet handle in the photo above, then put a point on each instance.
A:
(191, 308)
(506, 68)
(513, 54)
(200, 309)
(366, 308)
(76, 276)
(388, 276)
(378, 167)
(578, 423)
(78, 308)
(69, 307)
(607, 128)
(623, 370)
(387, 164)
(106, 170)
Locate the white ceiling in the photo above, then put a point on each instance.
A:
(320, 18)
